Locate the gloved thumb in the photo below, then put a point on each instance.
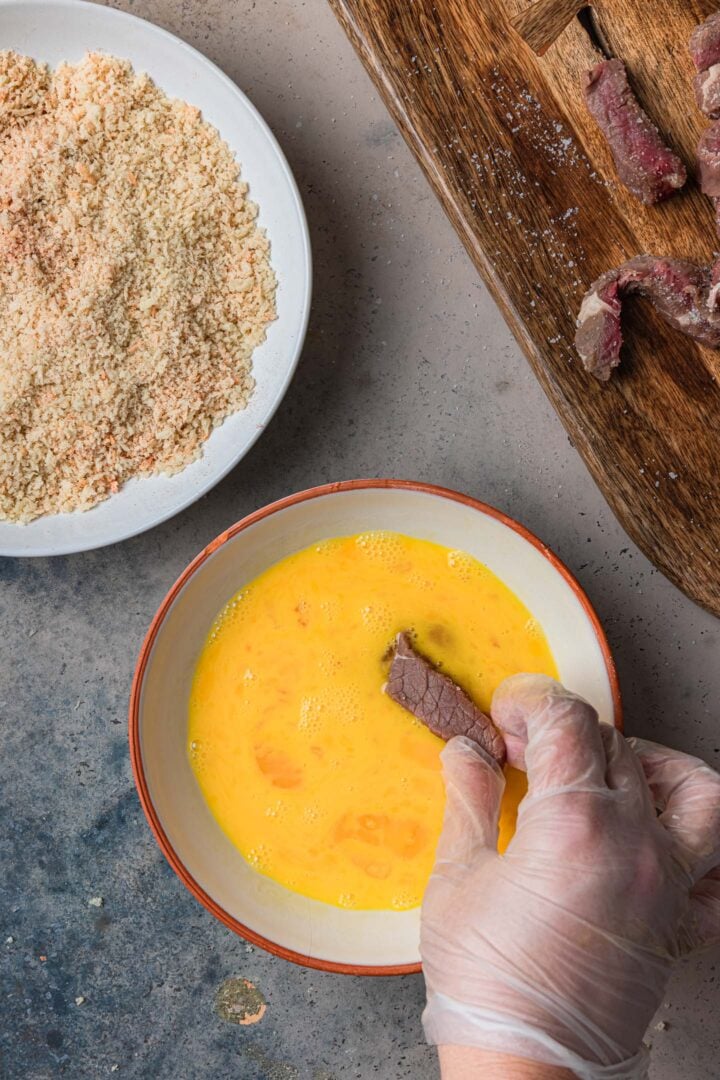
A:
(550, 732)
(474, 785)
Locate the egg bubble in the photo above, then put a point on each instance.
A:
(312, 814)
(234, 611)
(346, 900)
(463, 565)
(402, 901)
(330, 609)
(198, 754)
(342, 703)
(310, 722)
(380, 545)
(276, 810)
(329, 663)
(532, 628)
(420, 582)
(333, 705)
(259, 857)
(326, 547)
(377, 617)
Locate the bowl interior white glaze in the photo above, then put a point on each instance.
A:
(305, 926)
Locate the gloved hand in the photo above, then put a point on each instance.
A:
(559, 950)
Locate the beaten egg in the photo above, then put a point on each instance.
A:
(320, 780)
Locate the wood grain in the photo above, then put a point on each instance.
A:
(541, 24)
(528, 182)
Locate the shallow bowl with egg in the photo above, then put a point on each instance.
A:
(244, 643)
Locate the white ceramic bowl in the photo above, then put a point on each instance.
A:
(309, 932)
(55, 30)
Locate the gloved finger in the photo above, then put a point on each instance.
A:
(701, 926)
(686, 791)
(549, 732)
(623, 771)
(474, 784)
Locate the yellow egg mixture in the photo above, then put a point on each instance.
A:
(323, 783)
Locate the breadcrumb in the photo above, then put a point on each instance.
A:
(134, 283)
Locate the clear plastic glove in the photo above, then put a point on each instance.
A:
(559, 950)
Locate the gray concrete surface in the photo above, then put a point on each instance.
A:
(408, 370)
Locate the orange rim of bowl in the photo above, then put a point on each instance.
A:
(135, 694)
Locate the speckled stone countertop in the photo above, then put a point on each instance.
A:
(408, 370)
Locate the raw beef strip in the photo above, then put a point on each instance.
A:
(598, 338)
(708, 159)
(705, 43)
(705, 51)
(707, 91)
(681, 291)
(713, 301)
(644, 164)
(437, 701)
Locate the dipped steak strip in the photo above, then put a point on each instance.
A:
(437, 701)
(644, 164)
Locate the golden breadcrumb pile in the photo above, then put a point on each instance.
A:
(134, 283)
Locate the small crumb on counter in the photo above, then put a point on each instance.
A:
(240, 1002)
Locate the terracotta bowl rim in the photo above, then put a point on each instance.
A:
(135, 694)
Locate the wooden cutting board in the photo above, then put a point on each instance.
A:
(528, 182)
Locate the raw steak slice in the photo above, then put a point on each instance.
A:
(437, 701)
(644, 164)
(707, 91)
(708, 159)
(681, 291)
(598, 338)
(705, 43)
(713, 301)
